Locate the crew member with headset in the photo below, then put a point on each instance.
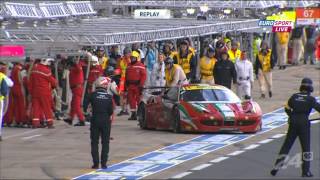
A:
(100, 124)
(298, 109)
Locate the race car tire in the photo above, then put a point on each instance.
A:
(176, 121)
(142, 116)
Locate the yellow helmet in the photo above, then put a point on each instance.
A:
(135, 54)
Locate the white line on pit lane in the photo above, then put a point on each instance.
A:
(219, 159)
(278, 136)
(200, 167)
(181, 175)
(252, 146)
(30, 137)
(21, 134)
(265, 141)
(235, 153)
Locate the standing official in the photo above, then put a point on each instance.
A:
(76, 86)
(123, 65)
(135, 79)
(245, 78)
(263, 69)
(298, 40)
(207, 64)
(5, 83)
(17, 98)
(186, 59)
(282, 48)
(100, 124)
(158, 77)
(234, 52)
(40, 86)
(298, 108)
(224, 71)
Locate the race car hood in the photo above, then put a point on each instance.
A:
(228, 110)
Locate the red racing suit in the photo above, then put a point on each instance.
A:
(40, 84)
(76, 85)
(135, 78)
(17, 100)
(95, 72)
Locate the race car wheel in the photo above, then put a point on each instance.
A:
(142, 116)
(176, 121)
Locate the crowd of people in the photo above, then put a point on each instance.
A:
(49, 88)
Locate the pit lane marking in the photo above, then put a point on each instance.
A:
(20, 134)
(236, 153)
(277, 136)
(30, 137)
(252, 146)
(200, 167)
(265, 141)
(219, 159)
(181, 175)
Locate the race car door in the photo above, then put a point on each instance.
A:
(170, 98)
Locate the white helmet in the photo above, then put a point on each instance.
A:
(95, 60)
(46, 61)
(103, 82)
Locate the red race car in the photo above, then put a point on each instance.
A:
(199, 108)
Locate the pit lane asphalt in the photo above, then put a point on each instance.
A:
(64, 152)
(257, 163)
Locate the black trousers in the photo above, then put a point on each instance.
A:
(100, 127)
(298, 127)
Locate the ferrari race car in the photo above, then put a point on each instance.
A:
(198, 108)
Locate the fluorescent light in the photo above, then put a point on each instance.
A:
(227, 11)
(191, 11)
(204, 8)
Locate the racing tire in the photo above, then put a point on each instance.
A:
(141, 115)
(176, 122)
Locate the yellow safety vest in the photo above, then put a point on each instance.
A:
(2, 76)
(283, 37)
(173, 54)
(265, 61)
(206, 69)
(255, 49)
(234, 55)
(185, 62)
(226, 40)
(123, 67)
(170, 74)
(104, 62)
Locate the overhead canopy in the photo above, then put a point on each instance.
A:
(106, 31)
(211, 4)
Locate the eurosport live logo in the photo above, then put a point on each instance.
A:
(277, 26)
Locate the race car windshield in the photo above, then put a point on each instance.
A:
(209, 95)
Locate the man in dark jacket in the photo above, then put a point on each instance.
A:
(224, 71)
(102, 109)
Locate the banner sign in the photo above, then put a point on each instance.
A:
(11, 51)
(152, 14)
